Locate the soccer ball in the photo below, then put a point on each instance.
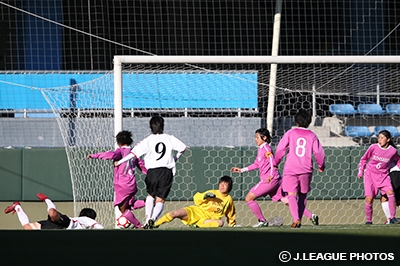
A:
(122, 222)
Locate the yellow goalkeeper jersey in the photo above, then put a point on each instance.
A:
(221, 205)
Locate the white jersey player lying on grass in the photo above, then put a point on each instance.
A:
(55, 220)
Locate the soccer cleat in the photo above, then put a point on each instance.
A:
(387, 221)
(368, 223)
(193, 225)
(394, 221)
(261, 224)
(149, 224)
(296, 224)
(315, 219)
(11, 208)
(41, 196)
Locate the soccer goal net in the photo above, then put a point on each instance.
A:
(214, 105)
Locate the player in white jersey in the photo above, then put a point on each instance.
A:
(55, 219)
(159, 160)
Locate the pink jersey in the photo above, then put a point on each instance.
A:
(300, 144)
(124, 175)
(380, 160)
(265, 163)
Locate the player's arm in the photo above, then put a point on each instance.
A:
(125, 159)
(319, 154)
(230, 214)
(281, 149)
(200, 198)
(363, 162)
(140, 165)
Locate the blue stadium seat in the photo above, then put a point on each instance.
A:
(370, 109)
(357, 131)
(392, 129)
(393, 108)
(342, 109)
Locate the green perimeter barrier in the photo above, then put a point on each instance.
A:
(24, 172)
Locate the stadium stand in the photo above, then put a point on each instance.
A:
(357, 131)
(342, 109)
(370, 109)
(393, 109)
(392, 129)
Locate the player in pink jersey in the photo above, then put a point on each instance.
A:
(299, 145)
(377, 161)
(270, 179)
(125, 186)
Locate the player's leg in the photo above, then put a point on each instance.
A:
(370, 192)
(210, 223)
(22, 216)
(291, 185)
(385, 208)
(151, 187)
(127, 213)
(181, 214)
(255, 192)
(387, 190)
(51, 207)
(304, 188)
(163, 188)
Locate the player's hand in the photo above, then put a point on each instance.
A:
(359, 177)
(116, 163)
(269, 179)
(235, 170)
(209, 195)
(89, 156)
(320, 170)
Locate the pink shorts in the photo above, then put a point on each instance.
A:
(263, 189)
(297, 183)
(374, 182)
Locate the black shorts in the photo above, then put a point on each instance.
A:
(49, 224)
(158, 182)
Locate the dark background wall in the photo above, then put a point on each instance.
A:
(24, 172)
(93, 34)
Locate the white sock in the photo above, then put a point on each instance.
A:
(157, 210)
(22, 217)
(50, 204)
(148, 207)
(385, 208)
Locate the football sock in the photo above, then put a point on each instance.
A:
(255, 208)
(138, 204)
(149, 207)
(307, 213)
(50, 204)
(385, 208)
(22, 217)
(165, 219)
(131, 218)
(158, 208)
(392, 205)
(293, 207)
(368, 212)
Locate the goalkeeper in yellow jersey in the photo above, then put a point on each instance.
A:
(210, 206)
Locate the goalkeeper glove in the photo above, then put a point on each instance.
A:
(209, 195)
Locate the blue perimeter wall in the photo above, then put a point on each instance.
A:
(172, 90)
